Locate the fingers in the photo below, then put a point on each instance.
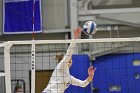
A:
(78, 30)
(92, 68)
(91, 71)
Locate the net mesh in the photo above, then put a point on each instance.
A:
(21, 67)
(114, 60)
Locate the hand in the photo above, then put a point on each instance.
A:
(91, 71)
(77, 33)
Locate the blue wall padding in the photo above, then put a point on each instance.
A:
(79, 69)
(117, 69)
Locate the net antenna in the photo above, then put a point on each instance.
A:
(33, 52)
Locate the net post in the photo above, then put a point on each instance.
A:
(7, 68)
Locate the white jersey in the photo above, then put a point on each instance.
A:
(61, 78)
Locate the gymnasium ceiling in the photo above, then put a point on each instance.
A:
(111, 12)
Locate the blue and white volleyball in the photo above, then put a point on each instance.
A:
(89, 28)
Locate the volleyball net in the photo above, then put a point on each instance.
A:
(29, 64)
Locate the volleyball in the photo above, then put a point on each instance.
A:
(89, 28)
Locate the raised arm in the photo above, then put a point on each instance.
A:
(70, 50)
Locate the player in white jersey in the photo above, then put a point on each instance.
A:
(61, 78)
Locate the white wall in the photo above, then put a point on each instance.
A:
(2, 85)
(1, 62)
(2, 90)
(53, 12)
